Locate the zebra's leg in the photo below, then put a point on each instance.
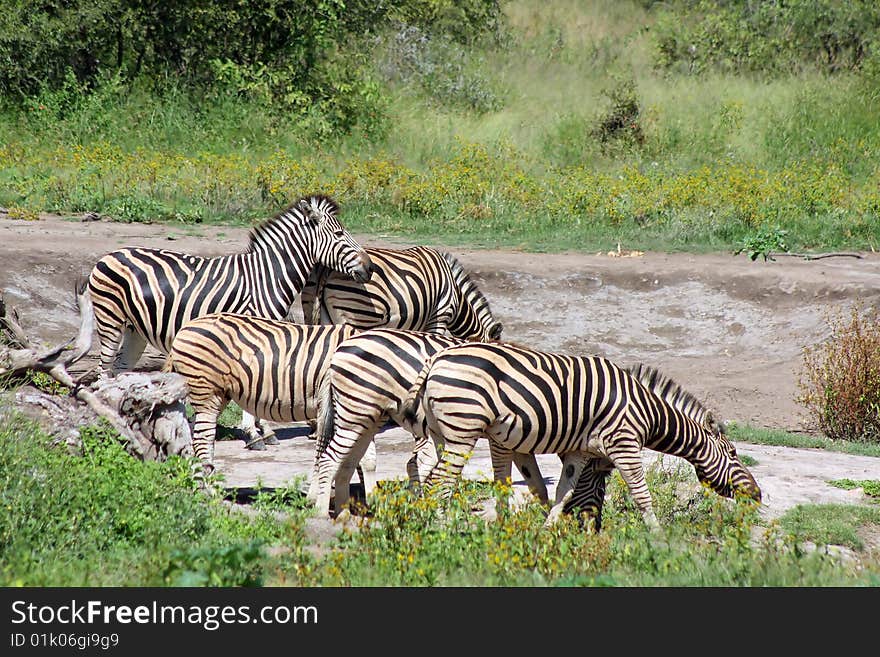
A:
(572, 465)
(133, 345)
(527, 465)
(454, 450)
(346, 467)
(110, 335)
(626, 455)
(268, 434)
(367, 468)
(336, 461)
(254, 437)
(589, 493)
(207, 409)
(422, 461)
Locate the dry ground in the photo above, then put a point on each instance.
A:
(730, 330)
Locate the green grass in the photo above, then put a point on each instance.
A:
(103, 518)
(832, 524)
(871, 487)
(786, 439)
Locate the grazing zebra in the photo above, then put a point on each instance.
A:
(366, 383)
(579, 407)
(589, 493)
(270, 368)
(145, 296)
(418, 289)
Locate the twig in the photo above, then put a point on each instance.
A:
(814, 256)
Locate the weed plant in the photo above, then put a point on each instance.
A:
(840, 377)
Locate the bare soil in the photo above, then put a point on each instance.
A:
(730, 330)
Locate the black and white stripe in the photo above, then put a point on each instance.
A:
(589, 493)
(366, 384)
(580, 407)
(271, 368)
(418, 289)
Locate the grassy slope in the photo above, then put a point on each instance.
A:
(796, 152)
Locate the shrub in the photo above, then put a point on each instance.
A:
(445, 73)
(840, 380)
(621, 122)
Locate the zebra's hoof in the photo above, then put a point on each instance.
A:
(270, 440)
(257, 444)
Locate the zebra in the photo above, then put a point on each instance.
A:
(144, 295)
(365, 385)
(579, 407)
(589, 493)
(418, 289)
(271, 368)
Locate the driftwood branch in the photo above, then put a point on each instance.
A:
(10, 326)
(814, 256)
(53, 361)
(146, 409)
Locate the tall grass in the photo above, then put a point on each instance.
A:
(796, 152)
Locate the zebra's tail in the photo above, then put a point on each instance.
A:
(413, 399)
(326, 412)
(168, 365)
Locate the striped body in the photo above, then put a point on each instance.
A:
(271, 368)
(580, 407)
(367, 380)
(418, 289)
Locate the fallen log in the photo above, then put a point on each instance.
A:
(146, 409)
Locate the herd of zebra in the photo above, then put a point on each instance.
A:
(401, 335)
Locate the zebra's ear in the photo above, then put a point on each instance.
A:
(716, 425)
(315, 214)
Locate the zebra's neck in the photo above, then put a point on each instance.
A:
(278, 264)
(678, 434)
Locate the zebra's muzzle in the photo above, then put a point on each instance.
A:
(364, 269)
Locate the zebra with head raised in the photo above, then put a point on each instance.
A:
(418, 289)
(271, 368)
(144, 296)
(365, 385)
(580, 407)
(589, 493)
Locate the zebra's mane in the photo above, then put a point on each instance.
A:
(671, 392)
(296, 214)
(463, 279)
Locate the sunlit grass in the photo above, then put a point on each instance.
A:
(782, 438)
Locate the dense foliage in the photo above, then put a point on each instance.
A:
(301, 56)
(773, 37)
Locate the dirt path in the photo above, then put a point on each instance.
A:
(730, 330)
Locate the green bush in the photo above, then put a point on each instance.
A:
(309, 58)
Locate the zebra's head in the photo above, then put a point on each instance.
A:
(723, 470)
(333, 245)
(711, 453)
